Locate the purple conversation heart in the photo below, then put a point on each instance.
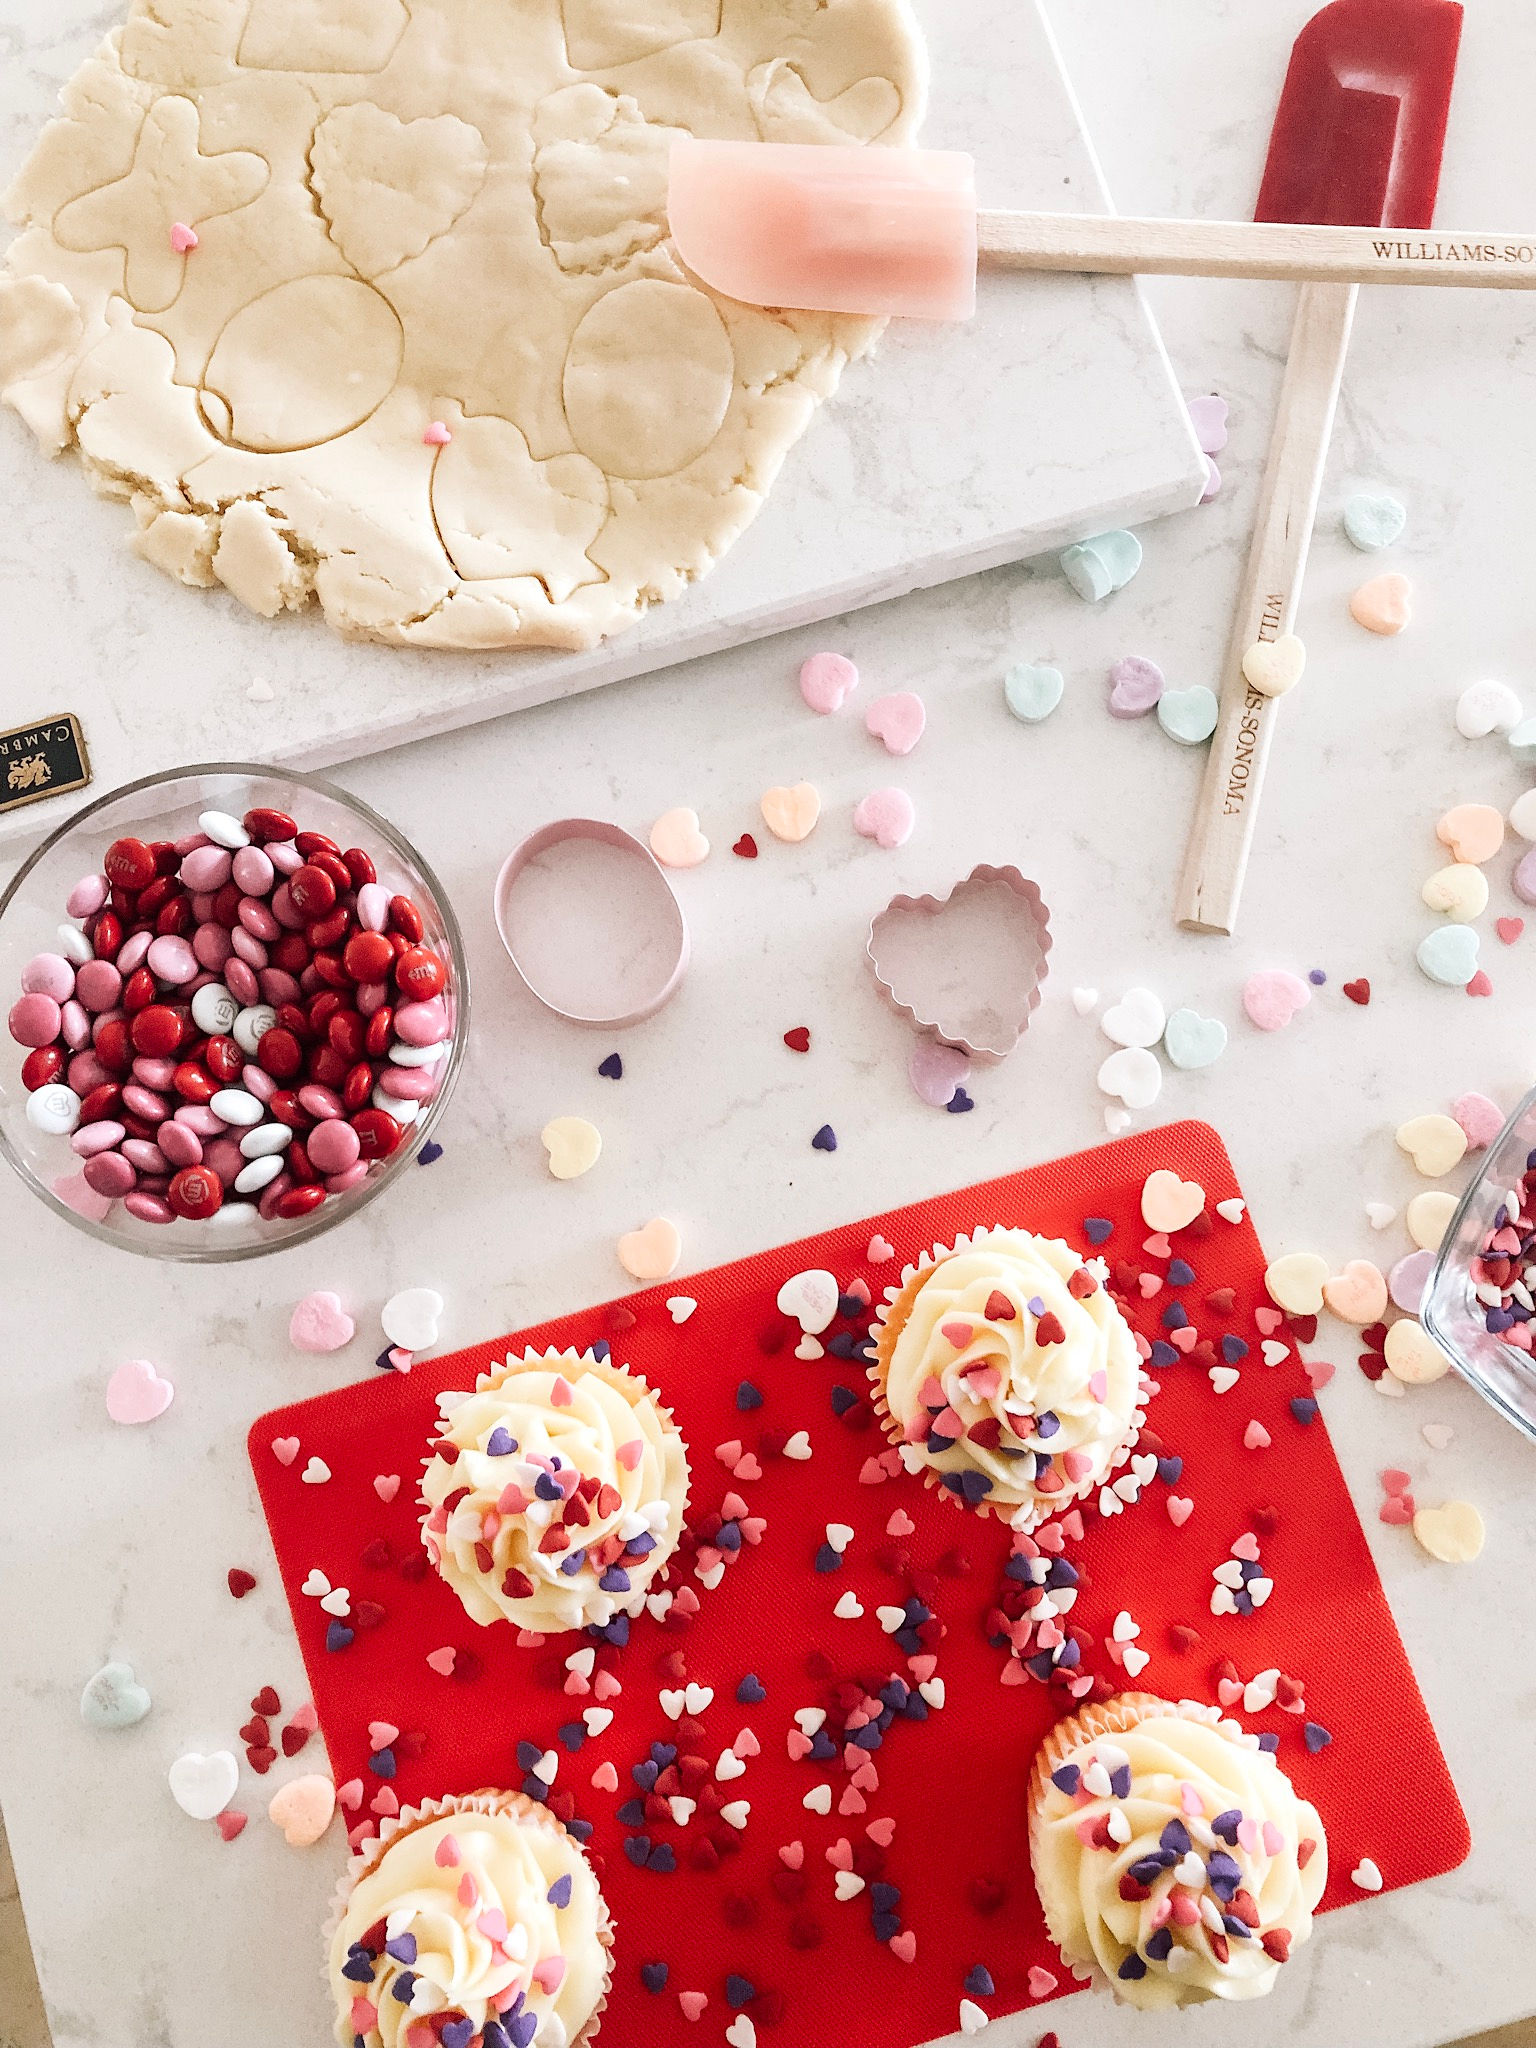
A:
(1408, 1280)
(1208, 417)
(1136, 684)
(936, 1071)
(1525, 878)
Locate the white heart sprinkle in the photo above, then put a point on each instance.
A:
(680, 1307)
(735, 1812)
(850, 1608)
(597, 1719)
(316, 1472)
(1223, 1378)
(1085, 1001)
(847, 1884)
(891, 1618)
(1259, 1590)
(818, 1799)
(338, 1601)
(809, 1719)
(1222, 1601)
(1125, 1630)
(1366, 1875)
(741, 2033)
(698, 1697)
(1134, 1660)
(932, 1690)
(260, 691)
(546, 1767)
(1437, 1435)
(1232, 1210)
(1259, 1692)
(1275, 1353)
(1380, 1214)
(972, 2018)
(729, 1765)
(582, 1661)
(798, 1447)
(810, 1347)
(672, 1703)
(1110, 1502)
(710, 1578)
(839, 1535)
(1116, 1120)
(316, 1584)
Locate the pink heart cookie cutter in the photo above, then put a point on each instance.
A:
(969, 966)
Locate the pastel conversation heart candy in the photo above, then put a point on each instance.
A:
(1272, 997)
(1135, 685)
(1523, 880)
(203, 1785)
(825, 680)
(1358, 1295)
(1384, 605)
(1473, 832)
(1168, 1203)
(1428, 1217)
(652, 1252)
(1407, 1281)
(137, 1393)
(1480, 1119)
(936, 1071)
(1522, 816)
(1434, 1143)
(1208, 417)
(1295, 1282)
(1522, 742)
(320, 1323)
(573, 1145)
(1459, 891)
(1453, 1533)
(1137, 1019)
(1188, 716)
(676, 839)
(410, 1318)
(1032, 691)
(1449, 955)
(791, 813)
(1274, 666)
(1192, 1041)
(1373, 520)
(1133, 1075)
(810, 1298)
(897, 721)
(113, 1698)
(886, 816)
(302, 1809)
(1096, 567)
(1487, 707)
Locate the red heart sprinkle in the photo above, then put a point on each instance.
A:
(1509, 928)
(256, 1731)
(261, 1758)
(294, 1739)
(1358, 991)
(1372, 1365)
(746, 847)
(1265, 1520)
(1183, 1637)
(241, 1582)
(230, 1822)
(1479, 985)
(620, 1318)
(367, 1613)
(266, 1702)
(798, 1040)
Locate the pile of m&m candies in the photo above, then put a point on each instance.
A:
(241, 1016)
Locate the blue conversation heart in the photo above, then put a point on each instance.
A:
(1188, 716)
(1103, 564)
(1192, 1041)
(1449, 955)
(1032, 691)
(1522, 742)
(114, 1698)
(1374, 519)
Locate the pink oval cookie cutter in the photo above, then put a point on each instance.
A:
(969, 966)
(591, 923)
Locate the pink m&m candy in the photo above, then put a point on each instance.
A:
(35, 1020)
(48, 974)
(333, 1146)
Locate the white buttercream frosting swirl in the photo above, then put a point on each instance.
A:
(486, 1916)
(1173, 1852)
(1007, 1369)
(555, 1493)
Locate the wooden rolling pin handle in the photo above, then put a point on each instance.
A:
(1300, 255)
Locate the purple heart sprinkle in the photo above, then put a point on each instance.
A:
(825, 1140)
(430, 1153)
(612, 1068)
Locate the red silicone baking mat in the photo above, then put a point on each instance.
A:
(813, 1969)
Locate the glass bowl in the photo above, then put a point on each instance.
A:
(167, 807)
(1502, 1373)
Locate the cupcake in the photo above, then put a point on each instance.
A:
(1171, 1851)
(473, 1919)
(1007, 1375)
(555, 1493)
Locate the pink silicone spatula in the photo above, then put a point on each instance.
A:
(1359, 138)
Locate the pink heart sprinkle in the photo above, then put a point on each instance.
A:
(493, 1924)
(446, 1856)
(1480, 985)
(840, 1854)
(686, 1602)
(924, 1666)
(381, 1734)
(1394, 1480)
(798, 1745)
(437, 435)
(1398, 1510)
(1509, 928)
(350, 1795)
(384, 1803)
(1185, 1339)
(1098, 1384)
(1267, 1320)
(136, 1393)
(1014, 1673)
(904, 1945)
(1229, 1691)
(1189, 1797)
(1072, 1524)
(886, 816)
(852, 1801)
(183, 238)
(285, 1449)
(957, 1334)
(1150, 1284)
(1077, 1464)
(386, 1485)
(900, 1524)
(1158, 1247)
(692, 2003)
(1256, 1437)
(825, 680)
(305, 1718)
(882, 1832)
(441, 1661)
(1248, 1835)
(792, 1855)
(881, 1251)
(630, 1454)
(400, 1359)
(1179, 1509)
(605, 1778)
(230, 1823)
(898, 722)
(747, 1744)
(733, 1507)
(1318, 1372)
(1247, 1547)
(1041, 1983)
(469, 1891)
(858, 1290)
(748, 1468)
(562, 1393)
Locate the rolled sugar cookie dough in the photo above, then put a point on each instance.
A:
(426, 353)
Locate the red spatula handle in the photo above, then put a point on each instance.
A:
(1212, 884)
(1302, 255)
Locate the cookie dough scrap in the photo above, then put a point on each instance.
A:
(372, 302)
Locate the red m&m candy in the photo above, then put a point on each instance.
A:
(196, 1192)
(129, 864)
(420, 974)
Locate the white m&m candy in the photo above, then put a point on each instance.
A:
(54, 1108)
(214, 1009)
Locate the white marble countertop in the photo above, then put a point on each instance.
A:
(148, 1929)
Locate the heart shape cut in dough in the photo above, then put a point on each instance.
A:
(389, 187)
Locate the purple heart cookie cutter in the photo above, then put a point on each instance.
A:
(969, 966)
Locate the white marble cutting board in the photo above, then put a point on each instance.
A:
(1053, 415)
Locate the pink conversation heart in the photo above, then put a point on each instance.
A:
(1481, 1119)
(1272, 997)
(886, 816)
(1136, 684)
(1212, 482)
(137, 1393)
(936, 1071)
(898, 721)
(320, 1323)
(1208, 417)
(825, 680)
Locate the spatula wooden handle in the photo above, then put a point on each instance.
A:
(1217, 859)
(1302, 255)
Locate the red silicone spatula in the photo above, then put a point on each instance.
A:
(1357, 141)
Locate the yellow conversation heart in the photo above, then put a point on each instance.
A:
(573, 1146)
(1274, 666)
